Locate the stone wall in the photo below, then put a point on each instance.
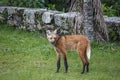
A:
(113, 24)
(36, 19)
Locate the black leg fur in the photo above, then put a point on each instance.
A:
(58, 65)
(84, 65)
(87, 67)
(66, 64)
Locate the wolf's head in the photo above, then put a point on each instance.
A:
(52, 35)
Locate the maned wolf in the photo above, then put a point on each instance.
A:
(70, 42)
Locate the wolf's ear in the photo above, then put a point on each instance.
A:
(48, 32)
(55, 31)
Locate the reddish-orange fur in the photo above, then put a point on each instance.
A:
(71, 42)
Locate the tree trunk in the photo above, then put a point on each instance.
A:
(100, 28)
(92, 23)
(88, 19)
(73, 5)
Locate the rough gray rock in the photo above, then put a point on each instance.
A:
(65, 19)
(47, 17)
(112, 20)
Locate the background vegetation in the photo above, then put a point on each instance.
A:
(109, 7)
(112, 7)
(26, 55)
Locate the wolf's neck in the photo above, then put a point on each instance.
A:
(57, 40)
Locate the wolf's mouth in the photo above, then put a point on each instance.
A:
(53, 42)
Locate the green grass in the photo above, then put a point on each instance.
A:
(26, 55)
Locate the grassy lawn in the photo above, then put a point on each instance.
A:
(26, 55)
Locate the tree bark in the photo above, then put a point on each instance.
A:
(88, 19)
(92, 24)
(73, 5)
(100, 28)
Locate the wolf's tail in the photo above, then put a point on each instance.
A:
(88, 51)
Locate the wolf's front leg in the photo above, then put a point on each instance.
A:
(58, 62)
(63, 51)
